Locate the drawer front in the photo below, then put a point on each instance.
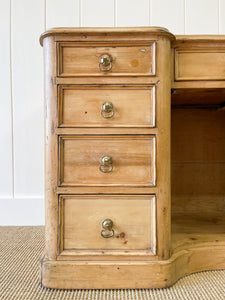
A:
(133, 225)
(122, 59)
(107, 160)
(103, 106)
(199, 64)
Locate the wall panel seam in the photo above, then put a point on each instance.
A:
(80, 13)
(219, 25)
(115, 13)
(150, 12)
(45, 8)
(185, 16)
(11, 99)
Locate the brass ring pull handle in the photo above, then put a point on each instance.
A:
(107, 110)
(106, 164)
(105, 63)
(107, 230)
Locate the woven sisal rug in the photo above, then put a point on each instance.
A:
(21, 247)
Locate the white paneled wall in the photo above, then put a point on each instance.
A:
(62, 13)
(21, 77)
(6, 148)
(202, 16)
(169, 14)
(97, 13)
(132, 13)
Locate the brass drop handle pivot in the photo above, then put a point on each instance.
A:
(107, 230)
(105, 63)
(106, 164)
(107, 110)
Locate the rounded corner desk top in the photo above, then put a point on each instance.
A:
(82, 31)
(108, 157)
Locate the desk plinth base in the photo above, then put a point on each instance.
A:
(130, 274)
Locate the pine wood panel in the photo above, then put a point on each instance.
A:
(192, 203)
(163, 142)
(133, 160)
(80, 106)
(134, 156)
(198, 160)
(198, 135)
(127, 59)
(133, 222)
(196, 230)
(106, 190)
(199, 64)
(132, 274)
(105, 130)
(51, 151)
(198, 179)
(125, 34)
(198, 97)
(132, 80)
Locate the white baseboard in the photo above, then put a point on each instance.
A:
(22, 211)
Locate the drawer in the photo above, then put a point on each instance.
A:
(199, 64)
(106, 106)
(77, 59)
(110, 222)
(107, 160)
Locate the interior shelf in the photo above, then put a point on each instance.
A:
(197, 230)
(198, 168)
(198, 97)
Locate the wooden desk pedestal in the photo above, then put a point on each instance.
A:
(134, 157)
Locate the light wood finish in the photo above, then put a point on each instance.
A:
(163, 154)
(155, 249)
(97, 80)
(124, 33)
(106, 190)
(138, 140)
(80, 106)
(133, 223)
(133, 160)
(199, 84)
(197, 230)
(105, 130)
(82, 59)
(51, 151)
(198, 156)
(205, 97)
(131, 274)
(198, 62)
(198, 244)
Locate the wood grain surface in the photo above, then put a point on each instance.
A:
(80, 106)
(127, 59)
(133, 160)
(133, 222)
